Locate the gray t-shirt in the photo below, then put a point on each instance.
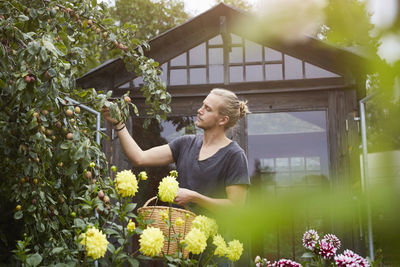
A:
(209, 177)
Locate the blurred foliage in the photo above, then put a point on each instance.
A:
(150, 17)
(348, 24)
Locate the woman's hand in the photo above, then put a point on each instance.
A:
(106, 113)
(184, 196)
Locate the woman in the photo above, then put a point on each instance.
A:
(213, 171)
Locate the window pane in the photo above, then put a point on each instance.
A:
(272, 55)
(236, 74)
(178, 77)
(317, 72)
(124, 86)
(179, 60)
(198, 55)
(253, 52)
(216, 74)
(216, 56)
(164, 69)
(217, 40)
(273, 72)
(236, 56)
(293, 68)
(138, 82)
(267, 165)
(296, 140)
(236, 39)
(198, 76)
(282, 164)
(254, 73)
(313, 163)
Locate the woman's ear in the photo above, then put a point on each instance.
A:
(223, 120)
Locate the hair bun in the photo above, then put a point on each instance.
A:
(243, 109)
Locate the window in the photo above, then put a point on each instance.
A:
(247, 61)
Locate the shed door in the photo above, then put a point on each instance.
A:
(286, 150)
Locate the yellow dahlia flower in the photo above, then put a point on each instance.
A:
(195, 241)
(126, 183)
(168, 189)
(207, 225)
(143, 175)
(179, 221)
(131, 225)
(164, 215)
(95, 242)
(151, 241)
(220, 243)
(235, 249)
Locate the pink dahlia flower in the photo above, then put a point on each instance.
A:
(286, 263)
(330, 238)
(350, 259)
(310, 239)
(326, 249)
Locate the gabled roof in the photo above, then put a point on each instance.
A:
(175, 41)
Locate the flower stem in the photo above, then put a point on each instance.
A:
(169, 226)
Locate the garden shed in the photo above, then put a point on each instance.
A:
(303, 99)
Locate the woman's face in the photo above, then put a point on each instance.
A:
(208, 114)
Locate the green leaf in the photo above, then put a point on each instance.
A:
(43, 54)
(52, 72)
(307, 255)
(80, 223)
(57, 184)
(65, 145)
(40, 227)
(110, 231)
(57, 250)
(21, 84)
(133, 262)
(94, 3)
(23, 18)
(65, 83)
(111, 248)
(61, 49)
(108, 21)
(49, 46)
(34, 259)
(18, 215)
(31, 208)
(130, 207)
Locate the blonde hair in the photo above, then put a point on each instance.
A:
(232, 107)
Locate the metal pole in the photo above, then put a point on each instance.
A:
(96, 113)
(98, 129)
(366, 179)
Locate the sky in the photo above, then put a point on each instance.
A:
(196, 7)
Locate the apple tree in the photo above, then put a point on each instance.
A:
(52, 169)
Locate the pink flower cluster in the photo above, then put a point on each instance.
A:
(350, 259)
(326, 247)
(281, 263)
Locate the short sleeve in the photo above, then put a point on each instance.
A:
(237, 170)
(177, 144)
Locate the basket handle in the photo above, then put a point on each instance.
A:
(148, 201)
(155, 197)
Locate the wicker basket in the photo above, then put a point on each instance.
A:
(154, 213)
